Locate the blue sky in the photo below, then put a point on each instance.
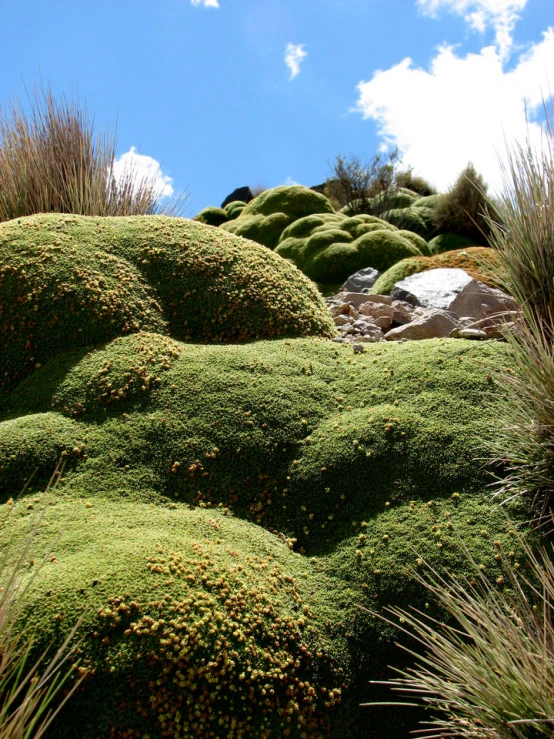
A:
(215, 94)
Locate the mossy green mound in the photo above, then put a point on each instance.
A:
(450, 242)
(195, 622)
(212, 216)
(266, 217)
(392, 199)
(419, 220)
(362, 464)
(478, 261)
(329, 248)
(278, 431)
(294, 200)
(71, 281)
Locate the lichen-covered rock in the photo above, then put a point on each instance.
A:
(477, 261)
(329, 248)
(72, 281)
(266, 217)
(196, 620)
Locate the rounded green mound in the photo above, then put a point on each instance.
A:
(392, 199)
(419, 220)
(212, 216)
(362, 463)
(266, 217)
(478, 261)
(329, 248)
(252, 426)
(199, 625)
(450, 242)
(71, 281)
(294, 200)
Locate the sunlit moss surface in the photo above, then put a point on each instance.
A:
(70, 281)
(225, 510)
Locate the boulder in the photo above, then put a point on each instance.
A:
(435, 288)
(482, 302)
(361, 280)
(241, 193)
(432, 324)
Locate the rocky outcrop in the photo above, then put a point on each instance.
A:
(446, 304)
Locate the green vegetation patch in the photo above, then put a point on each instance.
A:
(450, 242)
(225, 510)
(329, 248)
(72, 281)
(478, 261)
(266, 217)
(286, 433)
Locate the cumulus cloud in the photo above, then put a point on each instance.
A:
(294, 56)
(464, 108)
(206, 3)
(144, 171)
(501, 15)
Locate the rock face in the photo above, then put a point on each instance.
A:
(432, 324)
(436, 288)
(361, 280)
(241, 193)
(446, 304)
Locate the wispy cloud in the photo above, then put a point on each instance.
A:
(294, 56)
(145, 170)
(206, 3)
(501, 15)
(464, 108)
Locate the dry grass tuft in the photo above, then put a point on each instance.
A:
(53, 161)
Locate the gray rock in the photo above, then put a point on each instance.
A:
(358, 349)
(342, 320)
(436, 288)
(403, 312)
(433, 324)
(361, 280)
(482, 302)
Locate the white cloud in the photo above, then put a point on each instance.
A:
(290, 181)
(294, 56)
(206, 3)
(463, 109)
(501, 15)
(144, 171)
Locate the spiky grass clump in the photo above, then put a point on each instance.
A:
(28, 686)
(525, 243)
(53, 161)
(491, 675)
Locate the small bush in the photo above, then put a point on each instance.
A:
(465, 209)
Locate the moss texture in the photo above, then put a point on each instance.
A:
(478, 261)
(265, 218)
(329, 248)
(225, 510)
(71, 281)
(212, 216)
(450, 242)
